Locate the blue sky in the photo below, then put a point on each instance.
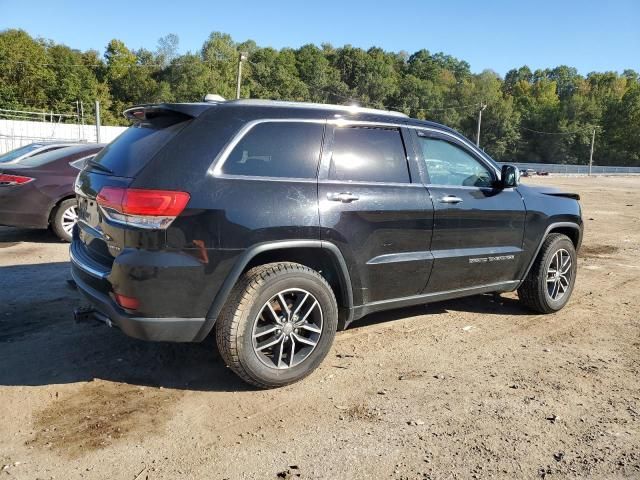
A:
(500, 34)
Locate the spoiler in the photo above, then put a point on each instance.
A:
(148, 111)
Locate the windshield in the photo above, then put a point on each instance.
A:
(18, 152)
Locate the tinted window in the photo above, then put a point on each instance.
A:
(448, 164)
(368, 155)
(13, 154)
(51, 149)
(137, 145)
(57, 154)
(277, 149)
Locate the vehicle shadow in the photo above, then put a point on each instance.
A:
(40, 344)
(486, 304)
(9, 236)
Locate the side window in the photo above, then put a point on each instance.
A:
(448, 164)
(277, 149)
(368, 155)
(51, 149)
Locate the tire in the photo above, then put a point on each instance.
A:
(62, 217)
(543, 291)
(254, 308)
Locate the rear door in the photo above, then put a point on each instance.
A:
(478, 228)
(377, 213)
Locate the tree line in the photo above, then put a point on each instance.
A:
(546, 115)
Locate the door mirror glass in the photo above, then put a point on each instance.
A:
(510, 176)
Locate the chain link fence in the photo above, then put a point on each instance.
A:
(16, 133)
(560, 169)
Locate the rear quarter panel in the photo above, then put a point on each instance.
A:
(226, 214)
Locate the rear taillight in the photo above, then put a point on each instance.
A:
(130, 303)
(10, 180)
(142, 208)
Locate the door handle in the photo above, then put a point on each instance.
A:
(450, 199)
(344, 197)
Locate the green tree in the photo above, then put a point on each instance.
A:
(24, 76)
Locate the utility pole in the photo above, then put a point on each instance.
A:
(482, 107)
(593, 141)
(97, 121)
(82, 120)
(242, 57)
(78, 120)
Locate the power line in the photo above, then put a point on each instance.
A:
(104, 65)
(39, 113)
(454, 107)
(557, 133)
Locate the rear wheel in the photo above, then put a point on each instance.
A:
(64, 219)
(550, 281)
(277, 325)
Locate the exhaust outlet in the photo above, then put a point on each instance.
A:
(86, 313)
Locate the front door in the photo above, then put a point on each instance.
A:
(478, 227)
(375, 211)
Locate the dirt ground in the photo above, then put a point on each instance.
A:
(473, 388)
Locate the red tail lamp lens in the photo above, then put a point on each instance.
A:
(6, 179)
(130, 303)
(154, 203)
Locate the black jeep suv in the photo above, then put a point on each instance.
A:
(274, 224)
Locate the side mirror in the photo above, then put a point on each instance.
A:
(510, 176)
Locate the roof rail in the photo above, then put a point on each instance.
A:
(320, 106)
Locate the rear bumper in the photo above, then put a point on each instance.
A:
(144, 328)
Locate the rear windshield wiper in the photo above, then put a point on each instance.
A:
(98, 166)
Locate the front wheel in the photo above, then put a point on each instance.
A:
(277, 325)
(552, 277)
(64, 218)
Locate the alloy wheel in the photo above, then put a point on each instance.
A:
(559, 274)
(287, 329)
(68, 219)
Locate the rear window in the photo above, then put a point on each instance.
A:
(13, 154)
(55, 154)
(135, 147)
(277, 149)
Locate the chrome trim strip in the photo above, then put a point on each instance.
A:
(474, 252)
(218, 162)
(94, 272)
(92, 230)
(346, 183)
(401, 257)
(266, 179)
